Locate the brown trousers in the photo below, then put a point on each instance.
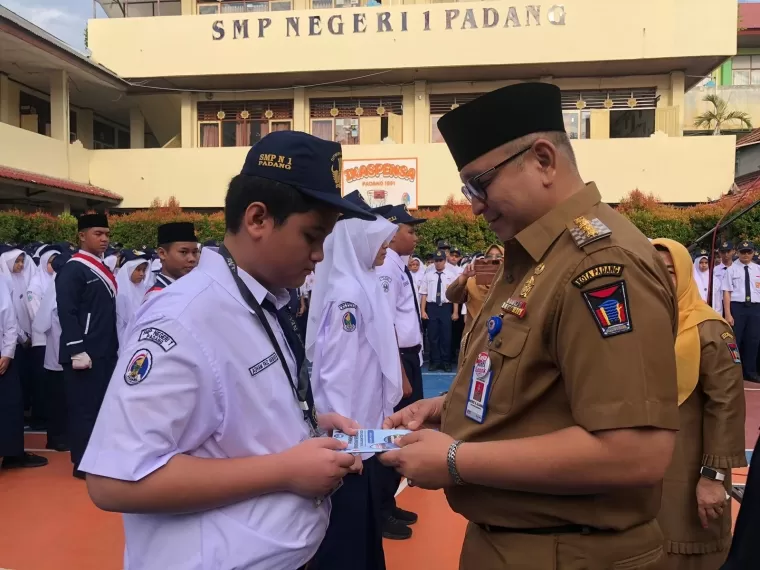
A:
(712, 561)
(639, 548)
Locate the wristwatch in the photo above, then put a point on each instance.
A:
(711, 474)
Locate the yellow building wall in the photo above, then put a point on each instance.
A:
(662, 165)
(592, 31)
(25, 150)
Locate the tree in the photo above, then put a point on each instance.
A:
(715, 118)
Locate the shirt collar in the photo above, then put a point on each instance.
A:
(169, 279)
(215, 267)
(395, 257)
(538, 237)
(88, 254)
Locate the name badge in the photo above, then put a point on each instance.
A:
(480, 388)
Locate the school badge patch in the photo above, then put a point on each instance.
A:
(385, 281)
(609, 307)
(139, 367)
(349, 322)
(734, 350)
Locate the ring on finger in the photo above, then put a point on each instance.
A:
(410, 482)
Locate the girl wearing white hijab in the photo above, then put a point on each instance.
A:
(132, 282)
(702, 274)
(18, 272)
(45, 325)
(41, 281)
(351, 341)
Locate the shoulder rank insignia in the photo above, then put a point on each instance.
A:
(585, 231)
(726, 336)
(609, 307)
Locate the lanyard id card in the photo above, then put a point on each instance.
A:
(480, 389)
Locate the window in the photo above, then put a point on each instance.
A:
(72, 126)
(441, 104)
(746, 70)
(234, 7)
(104, 136)
(369, 120)
(577, 124)
(241, 123)
(35, 114)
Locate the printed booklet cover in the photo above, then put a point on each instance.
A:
(371, 440)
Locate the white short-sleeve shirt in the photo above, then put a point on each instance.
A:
(400, 293)
(429, 285)
(733, 282)
(199, 376)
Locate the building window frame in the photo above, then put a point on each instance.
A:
(247, 122)
(582, 128)
(745, 69)
(247, 6)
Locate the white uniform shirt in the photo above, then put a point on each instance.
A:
(347, 377)
(9, 324)
(429, 285)
(733, 282)
(400, 294)
(47, 324)
(199, 376)
(450, 269)
(717, 299)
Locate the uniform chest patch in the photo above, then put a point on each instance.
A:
(609, 307)
(139, 367)
(734, 350)
(349, 322)
(259, 367)
(344, 306)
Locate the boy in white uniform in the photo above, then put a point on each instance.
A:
(208, 434)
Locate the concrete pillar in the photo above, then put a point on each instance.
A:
(136, 128)
(85, 129)
(4, 98)
(421, 114)
(59, 106)
(187, 126)
(677, 94)
(188, 7)
(407, 95)
(300, 111)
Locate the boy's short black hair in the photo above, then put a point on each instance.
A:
(280, 199)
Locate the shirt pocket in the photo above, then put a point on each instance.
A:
(506, 353)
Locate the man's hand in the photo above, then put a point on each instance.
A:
(406, 386)
(711, 500)
(424, 315)
(421, 459)
(332, 421)
(730, 320)
(5, 362)
(315, 467)
(455, 316)
(81, 361)
(423, 413)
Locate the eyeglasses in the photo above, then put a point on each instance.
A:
(473, 188)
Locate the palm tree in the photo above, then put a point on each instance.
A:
(718, 115)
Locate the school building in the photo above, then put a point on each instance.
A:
(174, 92)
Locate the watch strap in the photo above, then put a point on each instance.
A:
(712, 474)
(451, 462)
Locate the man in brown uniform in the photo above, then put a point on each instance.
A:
(566, 399)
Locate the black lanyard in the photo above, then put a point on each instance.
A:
(302, 390)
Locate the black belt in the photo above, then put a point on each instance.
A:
(410, 350)
(564, 529)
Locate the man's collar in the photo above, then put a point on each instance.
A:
(215, 267)
(538, 237)
(92, 255)
(395, 257)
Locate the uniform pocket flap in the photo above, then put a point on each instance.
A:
(510, 341)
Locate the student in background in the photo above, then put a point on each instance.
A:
(440, 313)
(696, 506)
(47, 326)
(702, 273)
(350, 329)
(132, 283)
(726, 255)
(178, 253)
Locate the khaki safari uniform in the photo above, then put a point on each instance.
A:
(587, 339)
(711, 434)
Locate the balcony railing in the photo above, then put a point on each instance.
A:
(138, 8)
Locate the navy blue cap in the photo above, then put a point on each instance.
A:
(210, 243)
(6, 247)
(726, 245)
(440, 255)
(130, 255)
(54, 247)
(456, 250)
(398, 215)
(60, 260)
(443, 244)
(357, 199)
(309, 164)
(745, 245)
(701, 253)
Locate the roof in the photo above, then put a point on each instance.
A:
(750, 138)
(58, 184)
(56, 46)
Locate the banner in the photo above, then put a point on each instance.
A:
(383, 181)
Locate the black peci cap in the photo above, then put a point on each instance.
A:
(88, 221)
(309, 164)
(499, 117)
(176, 231)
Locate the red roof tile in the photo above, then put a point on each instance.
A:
(57, 183)
(749, 17)
(748, 139)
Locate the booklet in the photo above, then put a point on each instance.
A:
(371, 440)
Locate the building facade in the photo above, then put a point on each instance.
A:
(202, 80)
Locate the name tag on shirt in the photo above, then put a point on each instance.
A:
(480, 389)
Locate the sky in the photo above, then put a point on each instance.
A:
(65, 19)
